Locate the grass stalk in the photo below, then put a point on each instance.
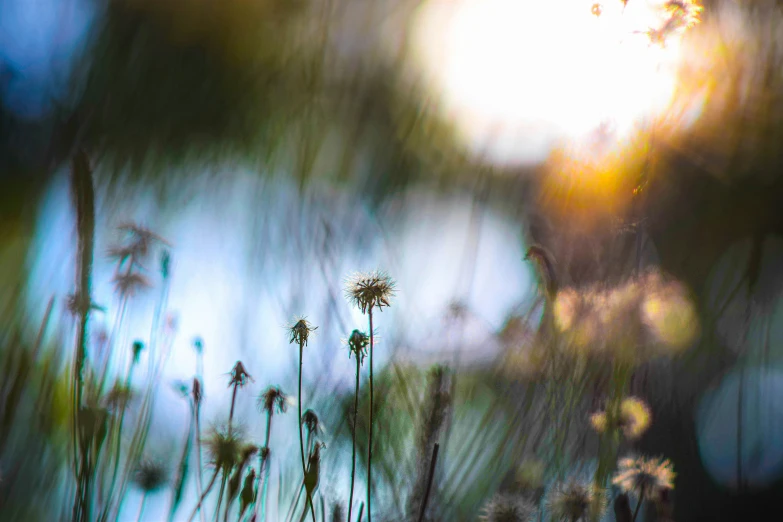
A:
(353, 436)
(369, 438)
(433, 463)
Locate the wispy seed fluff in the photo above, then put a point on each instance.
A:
(368, 290)
(357, 345)
(633, 419)
(509, 508)
(273, 399)
(644, 477)
(150, 476)
(575, 500)
(300, 331)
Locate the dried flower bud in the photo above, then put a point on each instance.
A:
(357, 345)
(300, 331)
(138, 347)
(239, 376)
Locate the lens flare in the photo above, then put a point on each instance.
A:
(516, 77)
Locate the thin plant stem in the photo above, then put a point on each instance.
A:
(353, 436)
(638, 505)
(142, 430)
(301, 439)
(361, 512)
(204, 495)
(233, 402)
(433, 462)
(185, 458)
(220, 494)
(369, 441)
(264, 465)
(116, 467)
(141, 507)
(116, 327)
(308, 502)
(265, 491)
(199, 484)
(301, 436)
(292, 509)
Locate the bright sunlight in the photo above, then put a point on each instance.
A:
(518, 76)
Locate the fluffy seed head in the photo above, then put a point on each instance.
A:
(273, 399)
(239, 376)
(300, 331)
(633, 418)
(368, 290)
(574, 500)
(127, 284)
(357, 345)
(224, 447)
(644, 477)
(508, 508)
(150, 476)
(311, 422)
(196, 391)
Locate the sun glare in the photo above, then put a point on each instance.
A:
(517, 76)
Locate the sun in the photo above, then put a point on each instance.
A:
(515, 77)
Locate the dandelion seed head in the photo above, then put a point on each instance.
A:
(311, 422)
(357, 345)
(196, 391)
(239, 376)
(645, 477)
(574, 500)
(508, 508)
(642, 318)
(599, 421)
(181, 388)
(634, 417)
(368, 290)
(273, 399)
(121, 253)
(670, 316)
(165, 263)
(300, 331)
(150, 476)
(137, 348)
(224, 447)
(128, 284)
